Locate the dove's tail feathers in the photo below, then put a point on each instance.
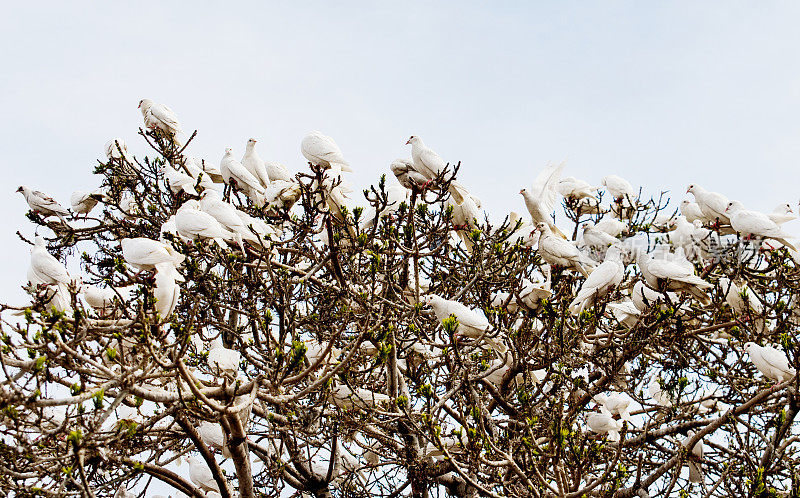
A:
(221, 243)
(580, 268)
(557, 231)
(695, 472)
(786, 243)
(698, 294)
(458, 192)
(613, 436)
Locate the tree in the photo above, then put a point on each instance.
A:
(304, 354)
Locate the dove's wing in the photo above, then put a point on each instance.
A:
(544, 187)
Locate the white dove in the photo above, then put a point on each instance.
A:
(223, 361)
(691, 210)
(257, 227)
(666, 275)
(116, 148)
(192, 223)
(541, 200)
(227, 215)
(752, 223)
(615, 403)
(430, 165)
(206, 167)
(282, 193)
(611, 226)
(771, 362)
(660, 396)
(44, 268)
(602, 423)
(644, 297)
(195, 169)
(408, 177)
(201, 475)
(254, 164)
(712, 204)
(234, 173)
(558, 251)
(83, 201)
(596, 239)
(346, 398)
(625, 312)
(166, 290)
(321, 150)
(573, 188)
(471, 323)
(395, 195)
(695, 467)
(43, 204)
(144, 254)
(733, 296)
(159, 116)
(783, 213)
(605, 277)
(178, 180)
(618, 187)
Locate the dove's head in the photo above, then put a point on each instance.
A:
(22, 188)
(692, 189)
(228, 151)
(145, 104)
(588, 225)
(733, 206)
(413, 139)
(749, 347)
(429, 299)
(542, 227)
(523, 191)
(251, 142)
(784, 208)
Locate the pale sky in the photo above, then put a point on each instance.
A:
(664, 94)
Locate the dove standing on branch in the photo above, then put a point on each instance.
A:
(228, 216)
(44, 268)
(430, 165)
(783, 213)
(201, 475)
(558, 251)
(605, 277)
(541, 200)
(198, 165)
(166, 290)
(159, 116)
(712, 204)
(743, 305)
(752, 223)
(771, 362)
(691, 210)
(321, 150)
(667, 275)
(408, 177)
(83, 201)
(224, 361)
(116, 148)
(195, 169)
(618, 187)
(395, 195)
(43, 204)
(254, 164)
(471, 323)
(572, 188)
(596, 239)
(233, 173)
(144, 254)
(611, 226)
(615, 404)
(695, 467)
(178, 180)
(346, 398)
(192, 223)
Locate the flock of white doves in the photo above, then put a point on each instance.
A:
(207, 216)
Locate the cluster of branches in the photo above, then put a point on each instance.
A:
(348, 385)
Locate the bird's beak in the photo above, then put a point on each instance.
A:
(727, 208)
(408, 142)
(687, 190)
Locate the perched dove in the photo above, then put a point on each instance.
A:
(752, 223)
(695, 467)
(395, 195)
(144, 254)
(558, 251)
(541, 200)
(691, 210)
(83, 201)
(44, 268)
(159, 116)
(742, 301)
(596, 239)
(618, 187)
(228, 216)
(178, 180)
(712, 204)
(166, 290)
(660, 396)
(771, 362)
(43, 204)
(430, 165)
(233, 173)
(605, 277)
(254, 164)
(670, 275)
(346, 398)
(615, 404)
(408, 177)
(573, 188)
(783, 213)
(116, 148)
(321, 150)
(192, 223)
(224, 361)
(200, 176)
(201, 475)
(471, 323)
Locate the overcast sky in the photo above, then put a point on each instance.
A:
(662, 93)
